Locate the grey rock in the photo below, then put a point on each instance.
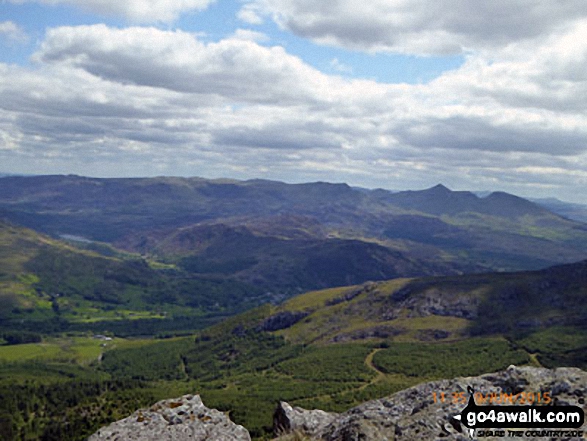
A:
(445, 304)
(362, 334)
(365, 288)
(184, 418)
(289, 419)
(419, 413)
(282, 320)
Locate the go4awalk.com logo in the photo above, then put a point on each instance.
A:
(521, 421)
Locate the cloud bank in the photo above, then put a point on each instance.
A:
(136, 11)
(416, 27)
(143, 101)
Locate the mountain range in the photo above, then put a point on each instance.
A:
(249, 242)
(320, 294)
(288, 238)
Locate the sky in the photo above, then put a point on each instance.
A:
(395, 94)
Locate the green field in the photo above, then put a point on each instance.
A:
(31, 351)
(78, 350)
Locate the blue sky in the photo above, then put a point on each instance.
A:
(391, 93)
(219, 21)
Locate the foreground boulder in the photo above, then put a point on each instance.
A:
(185, 418)
(289, 419)
(423, 413)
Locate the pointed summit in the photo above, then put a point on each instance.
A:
(439, 188)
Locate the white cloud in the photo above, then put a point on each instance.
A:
(539, 90)
(136, 11)
(416, 27)
(12, 32)
(103, 99)
(235, 68)
(340, 67)
(250, 14)
(250, 35)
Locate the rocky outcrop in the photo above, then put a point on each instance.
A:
(288, 419)
(366, 333)
(185, 418)
(423, 413)
(347, 297)
(282, 320)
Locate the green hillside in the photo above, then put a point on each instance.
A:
(329, 349)
(335, 348)
(50, 286)
(280, 263)
(406, 275)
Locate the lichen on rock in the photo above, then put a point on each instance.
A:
(179, 419)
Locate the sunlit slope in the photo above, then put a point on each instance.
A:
(335, 348)
(439, 308)
(45, 283)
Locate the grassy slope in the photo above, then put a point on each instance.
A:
(46, 284)
(17, 247)
(237, 366)
(386, 335)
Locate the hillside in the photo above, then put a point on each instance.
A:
(577, 212)
(271, 233)
(281, 258)
(331, 349)
(47, 285)
(440, 308)
(335, 348)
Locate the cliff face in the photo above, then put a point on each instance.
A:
(423, 412)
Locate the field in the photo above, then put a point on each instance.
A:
(78, 350)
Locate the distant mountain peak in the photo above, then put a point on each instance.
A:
(502, 196)
(440, 188)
